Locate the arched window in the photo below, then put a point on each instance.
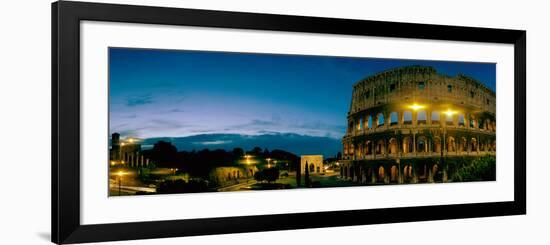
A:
(435, 117)
(421, 117)
(381, 173)
(368, 147)
(422, 144)
(380, 147)
(369, 122)
(359, 124)
(461, 120)
(407, 145)
(393, 118)
(407, 117)
(473, 144)
(437, 145)
(449, 119)
(450, 144)
(394, 173)
(463, 144)
(393, 146)
(472, 122)
(380, 121)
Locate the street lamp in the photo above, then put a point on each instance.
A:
(268, 164)
(416, 107)
(119, 175)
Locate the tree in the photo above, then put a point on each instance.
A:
(257, 151)
(268, 174)
(271, 174)
(306, 176)
(339, 156)
(164, 154)
(266, 153)
(238, 152)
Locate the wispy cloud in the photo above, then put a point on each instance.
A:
(139, 100)
(215, 142)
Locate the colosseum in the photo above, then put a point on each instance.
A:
(413, 124)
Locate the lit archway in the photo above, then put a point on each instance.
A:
(422, 144)
(473, 144)
(380, 147)
(394, 173)
(380, 120)
(407, 145)
(393, 146)
(437, 145)
(381, 174)
(451, 144)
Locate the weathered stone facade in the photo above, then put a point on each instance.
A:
(403, 123)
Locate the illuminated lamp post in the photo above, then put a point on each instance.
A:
(119, 175)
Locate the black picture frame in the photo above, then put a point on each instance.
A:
(66, 18)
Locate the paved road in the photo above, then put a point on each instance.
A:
(238, 186)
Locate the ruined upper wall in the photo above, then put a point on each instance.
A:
(421, 84)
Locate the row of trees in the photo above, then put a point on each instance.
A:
(200, 163)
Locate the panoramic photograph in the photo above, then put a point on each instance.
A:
(183, 121)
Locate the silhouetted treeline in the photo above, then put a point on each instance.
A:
(200, 163)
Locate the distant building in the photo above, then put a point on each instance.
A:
(126, 152)
(314, 163)
(227, 175)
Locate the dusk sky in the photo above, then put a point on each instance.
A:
(168, 93)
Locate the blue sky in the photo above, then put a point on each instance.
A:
(173, 93)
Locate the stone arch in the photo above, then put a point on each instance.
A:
(392, 146)
(407, 117)
(368, 147)
(461, 121)
(359, 125)
(407, 171)
(435, 173)
(380, 120)
(394, 173)
(473, 144)
(437, 145)
(435, 117)
(369, 122)
(393, 118)
(463, 144)
(473, 121)
(380, 147)
(381, 174)
(311, 168)
(451, 144)
(421, 117)
(407, 144)
(360, 150)
(421, 144)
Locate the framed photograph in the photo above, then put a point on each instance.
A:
(176, 122)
